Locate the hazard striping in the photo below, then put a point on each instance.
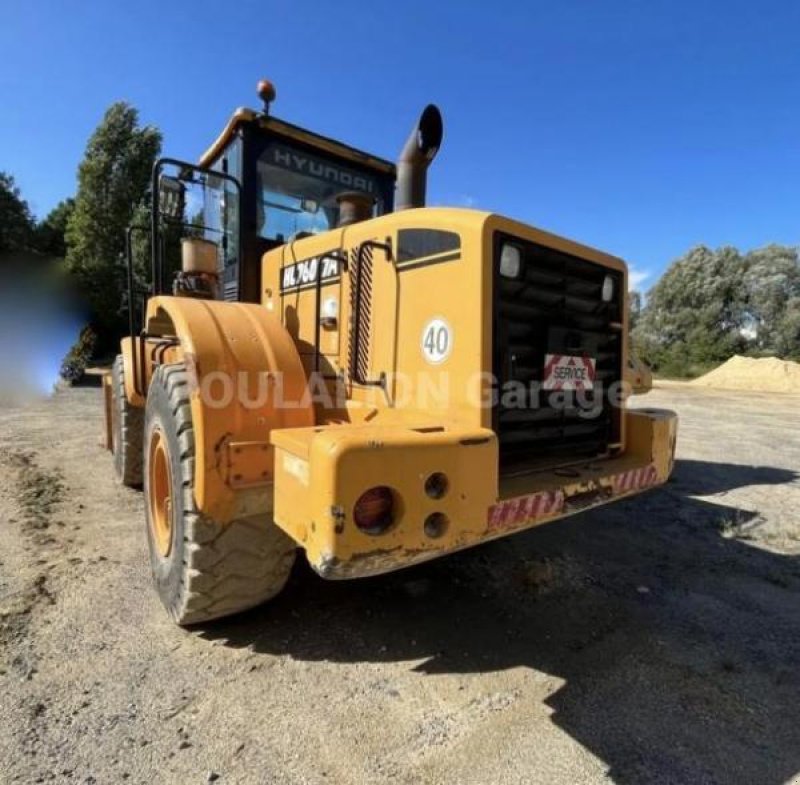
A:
(524, 509)
(635, 479)
(569, 372)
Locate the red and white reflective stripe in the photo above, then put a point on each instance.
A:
(635, 479)
(525, 509)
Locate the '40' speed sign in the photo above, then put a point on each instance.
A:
(437, 341)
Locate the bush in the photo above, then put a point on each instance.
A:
(74, 364)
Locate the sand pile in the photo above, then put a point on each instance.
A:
(767, 374)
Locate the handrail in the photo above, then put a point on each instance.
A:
(132, 299)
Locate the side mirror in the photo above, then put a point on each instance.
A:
(171, 197)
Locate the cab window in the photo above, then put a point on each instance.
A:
(298, 192)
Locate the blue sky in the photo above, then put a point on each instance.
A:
(641, 128)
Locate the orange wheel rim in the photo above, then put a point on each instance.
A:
(160, 487)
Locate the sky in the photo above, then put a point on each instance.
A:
(641, 128)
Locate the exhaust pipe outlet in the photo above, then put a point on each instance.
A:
(416, 157)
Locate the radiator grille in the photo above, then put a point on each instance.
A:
(554, 307)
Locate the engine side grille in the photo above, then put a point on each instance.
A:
(554, 307)
(361, 312)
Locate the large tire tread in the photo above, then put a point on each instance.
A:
(128, 427)
(224, 568)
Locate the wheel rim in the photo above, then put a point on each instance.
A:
(160, 493)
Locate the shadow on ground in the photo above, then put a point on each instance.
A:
(678, 644)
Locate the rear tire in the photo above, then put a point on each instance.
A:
(127, 428)
(203, 570)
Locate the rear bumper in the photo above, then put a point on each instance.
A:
(321, 472)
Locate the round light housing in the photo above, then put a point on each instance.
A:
(436, 525)
(373, 513)
(510, 261)
(436, 485)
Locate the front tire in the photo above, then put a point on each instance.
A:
(202, 570)
(127, 426)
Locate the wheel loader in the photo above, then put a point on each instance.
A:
(319, 361)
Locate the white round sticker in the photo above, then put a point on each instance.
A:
(437, 341)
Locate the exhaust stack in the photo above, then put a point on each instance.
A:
(415, 158)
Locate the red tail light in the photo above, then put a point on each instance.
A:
(374, 510)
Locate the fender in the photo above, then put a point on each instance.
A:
(126, 348)
(246, 379)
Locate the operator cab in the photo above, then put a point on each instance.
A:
(292, 184)
(263, 183)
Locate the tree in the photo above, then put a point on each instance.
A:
(787, 333)
(16, 222)
(634, 308)
(696, 313)
(113, 180)
(710, 305)
(772, 284)
(50, 234)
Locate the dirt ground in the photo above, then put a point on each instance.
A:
(656, 640)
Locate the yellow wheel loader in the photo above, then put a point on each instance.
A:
(319, 361)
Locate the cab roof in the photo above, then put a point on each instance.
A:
(244, 116)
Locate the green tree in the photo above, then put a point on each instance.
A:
(634, 308)
(772, 285)
(50, 234)
(113, 180)
(696, 313)
(710, 305)
(787, 332)
(16, 222)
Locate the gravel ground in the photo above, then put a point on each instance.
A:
(651, 641)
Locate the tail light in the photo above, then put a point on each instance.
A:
(374, 510)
